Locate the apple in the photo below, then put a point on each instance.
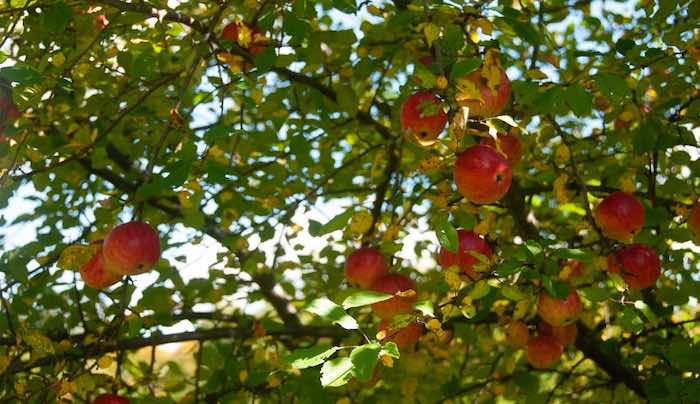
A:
(95, 275)
(482, 175)
(559, 312)
(393, 284)
(256, 43)
(510, 145)
(566, 335)
(8, 112)
(493, 100)
(364, 266)
(543, 351)
(131, 248)
(638, 264)
(572, 269)
(620, 216)
(427, 60)
(422, 116)
(469, 243)
(404, 337)
(110, 399)
(694, 223)
(517, 334)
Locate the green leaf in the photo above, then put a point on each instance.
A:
(425, 307)
(579, 100)
(364, 298)
(573, 253)
(364, 359)
(310, 357)
(480, 289)
(426, 77)
(301, 149)
(56, 18)
(512, 293)
(337, 223)
(347, 99)
(24, 75)
(446, 234)
(390, 349)
(336, 372)
(325, 308)
(464, 67)
(645, 138)
(596, 294)
(533, 248)
(614, 87)
(557, 289)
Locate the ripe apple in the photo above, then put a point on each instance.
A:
(469, 243)
(566, 335)
(493, 100)
(422, 116)
(482, 175)
(95, 275)
(559, 312)
(403, 337)
(131, 248)
(510, 145)
(543, 351)
(393, 284)
(517, 334)
(638, 264)
(694, 223)
(364, 266)
(620, 216)
(110, 399)
(244, 34)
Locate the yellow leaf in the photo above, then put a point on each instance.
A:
(466, 90)
(484, 226)
(562, 154)
(439, 201)
(409, 386)
(485, 25)
(243, 375)
(535, 74)
(361, 222)
(105, 361)
(391, 233)
(273, 382)
(343, 400)
(452, 279)
(39, 342)
(388, 361)
(4, 363)
(184, 198)
(491, 70)
(75, 256)
(626, 182)
(521, 309)
(441, 82)
(430, 164)
(560, 192)
(474, 36)
(433, 325)
(374, 10)
(431, 32)
(64, 387)
(381, 335)
(58, 59)
(256, 94)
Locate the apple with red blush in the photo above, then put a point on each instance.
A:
(694, 223)
(364, 266)
(493, 97)
(543, 351)
(559, 312)
(620, 216)
(471, 245)
(566, 335)
(394, 284)
(131, 248)
(404, 337)
(638, 264)
(482, 175)
(110, 399)
(509, 144)
(422, 117)
(95, 275)
(517, 334)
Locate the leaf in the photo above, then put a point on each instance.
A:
(432, 32)
(480, 289)
(23, 75)
(310, 357)
(533, 248)
(464, 67)
(75, 256)
(446, 234)
(613, 86)
(390, 349)
(425, 307)
(512, 293)
(56, 18)
(364, 298)
(557, 289)
(579, 100)
(645, 138)
(325, 308)
(364, 359)
(336, 372)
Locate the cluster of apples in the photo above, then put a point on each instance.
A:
(483, 172)
(129, 249)
(620, 216)
(367, 268)
(110, 399)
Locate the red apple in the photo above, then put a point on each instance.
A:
(638, 264)
(469, 243)
(510, 145)
(131, 248)
(364, 266)
(110, 399)
(482, 175)
(493, 100)
(694, 223)
(566, 335)
(393, 284)
(95, 275)
(257, 41)
(620, 216)
(427, 60)
(422, 116)
(543, 351)
(403, 337)
(559, 312)
(517, 334)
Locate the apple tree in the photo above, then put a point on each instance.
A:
(349, 201)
